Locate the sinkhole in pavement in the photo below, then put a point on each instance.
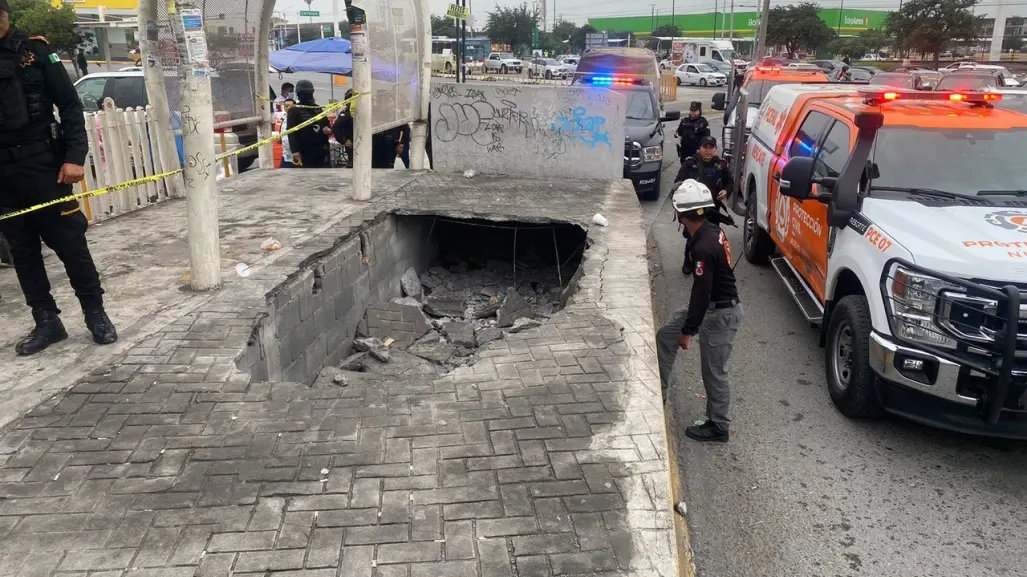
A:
(415, 296)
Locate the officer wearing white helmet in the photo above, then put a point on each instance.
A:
(714, 312)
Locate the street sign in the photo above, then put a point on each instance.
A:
(310, 13)
(596, 40)
(458, 12)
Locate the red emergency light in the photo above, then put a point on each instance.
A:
(877, 96)
(768, 69)
(608, 80)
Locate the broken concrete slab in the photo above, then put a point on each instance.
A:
(460, 333)
(407, 301)
(403, 323)
(514, 307)
(374, 347)
(411, 283)
(444, 307)
(354, 362)
(405, 365)
(481, 308)
(336, 377)
(487, 334)
(439, 352)
(523, 324)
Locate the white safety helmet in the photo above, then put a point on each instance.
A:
(692, 196)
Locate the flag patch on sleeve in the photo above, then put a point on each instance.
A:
(53, 58)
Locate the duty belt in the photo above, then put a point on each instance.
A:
(724, 304)
(16, 153)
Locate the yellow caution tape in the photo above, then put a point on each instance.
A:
(294, 105)
(155, 177)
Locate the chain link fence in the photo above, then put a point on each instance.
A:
(394, 35)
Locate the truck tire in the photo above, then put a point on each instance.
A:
(850, 380)
(757, 245)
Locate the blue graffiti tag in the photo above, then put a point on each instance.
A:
(587, 129)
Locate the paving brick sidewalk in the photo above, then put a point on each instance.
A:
(547, 457)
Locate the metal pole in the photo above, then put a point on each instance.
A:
(731, 34)
(998, 32)
(335, 18)
(157, 96)
(362, 126)
(716, 12)
(197, 129)
(261, 83)
(761, 39)
(673, 10)
(299, 37)
(463, 44)
(419, 133)
(841, 9)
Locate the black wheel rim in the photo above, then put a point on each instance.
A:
(750, 227)
(842, 355)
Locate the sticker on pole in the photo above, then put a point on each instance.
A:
(192, 20)
(458, 12)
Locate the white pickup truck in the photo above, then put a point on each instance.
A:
(503, 63)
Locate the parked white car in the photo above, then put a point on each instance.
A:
(700, 74)
(503, 63)
(570, 63)
(547, 68)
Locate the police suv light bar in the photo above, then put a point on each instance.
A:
(612, 80)
(877, 96)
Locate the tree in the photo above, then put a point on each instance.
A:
(798, 27)
(511, 26)
(875, 40)
(928, 26)
(40, 18)
(443, 26)
(854, 48)
(667, 30)
(578, 40)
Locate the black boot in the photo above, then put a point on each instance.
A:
(101, 326)
(708, 432)
(48, 330)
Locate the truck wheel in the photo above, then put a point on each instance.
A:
(702, 82)
(502, 69)
(850, 379)
(756, 243)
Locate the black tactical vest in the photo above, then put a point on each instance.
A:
(14, 111)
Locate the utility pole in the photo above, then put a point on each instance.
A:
(652, 19)
(716, 12)
(419, 132)
(840, 10)
(998, 32)
(197, 128)
(335, 18)
(731, 34)
(362, 127)
(673, 13)
(153, 78)
(761, 38)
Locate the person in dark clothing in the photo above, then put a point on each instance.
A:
(309, 145)
(707, 168)
(343, 129)
(40, 160)
(83, 66)
(427, 145)
(692, 129)
(714, 312)
(404, 145)
(385, 147)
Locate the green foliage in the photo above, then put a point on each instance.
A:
(798, 27)
(442, 26)
(578, 38)
(929, 26)
(854, 48)
(511, 26)
(875, 40)
(40, 18)
(667, 30)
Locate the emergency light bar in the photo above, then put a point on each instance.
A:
(877, 96)
(606, 80)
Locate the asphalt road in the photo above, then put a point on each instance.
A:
(803, 491)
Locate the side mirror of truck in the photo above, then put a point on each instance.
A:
(719, 101)
(671, 116)
(796, 179)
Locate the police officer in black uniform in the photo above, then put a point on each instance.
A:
(40, 160)
(309, 145)
(713, 171)
(714, 312)
(692, 129)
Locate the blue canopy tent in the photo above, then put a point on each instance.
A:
(325, 55)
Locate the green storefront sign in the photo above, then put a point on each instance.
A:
(845, 22)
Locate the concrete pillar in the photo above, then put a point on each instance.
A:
(156, 94)
(198, 136)
(419, 134)
(266, 153)
(362, 127)
(998, 33)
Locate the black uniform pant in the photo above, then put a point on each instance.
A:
(31, 180)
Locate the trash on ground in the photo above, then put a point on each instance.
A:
(271, 243)
(681, 508)
(600, 220)
(469, 173)
(242, 269)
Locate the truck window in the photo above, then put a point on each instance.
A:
(805, 141)
(833, 152)
(702, 52)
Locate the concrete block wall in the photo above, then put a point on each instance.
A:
(312, 318)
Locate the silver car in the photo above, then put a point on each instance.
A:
(547, 68)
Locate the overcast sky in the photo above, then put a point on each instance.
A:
(578, 11)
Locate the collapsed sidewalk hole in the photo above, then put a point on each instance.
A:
(412, 297)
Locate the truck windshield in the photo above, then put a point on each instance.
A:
(953, 160)
(641, 106)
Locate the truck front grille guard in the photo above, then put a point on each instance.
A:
(632, 154)
(989, 346)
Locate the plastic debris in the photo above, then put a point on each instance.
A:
(469, 173)
(324, 471)
(600, 220)
(270, 244)
(242, 269)
(698, 422)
